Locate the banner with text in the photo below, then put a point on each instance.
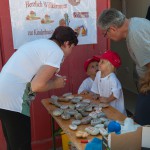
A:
(36, 19)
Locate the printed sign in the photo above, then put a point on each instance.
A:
(36, 19)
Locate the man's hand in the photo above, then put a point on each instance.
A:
(145, 81)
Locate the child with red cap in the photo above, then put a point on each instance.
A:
(106, 83)
(91, 68)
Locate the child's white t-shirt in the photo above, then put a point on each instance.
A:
(86, 85)
(108, 85)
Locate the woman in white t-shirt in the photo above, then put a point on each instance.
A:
(106, 85)
(29, 70)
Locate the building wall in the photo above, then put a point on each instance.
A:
(72, 68)
(137, 8)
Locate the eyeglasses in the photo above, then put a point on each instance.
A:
(106, 32)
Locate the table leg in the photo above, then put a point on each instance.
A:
(53, 133)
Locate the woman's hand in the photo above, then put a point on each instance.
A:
(59, 82)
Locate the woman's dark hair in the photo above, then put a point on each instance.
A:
(63, 34)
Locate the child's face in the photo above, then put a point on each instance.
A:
(103, 65)
(92, 68)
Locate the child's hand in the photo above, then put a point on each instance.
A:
(107, 99)
(95, 96)
(103, 99)
(84, 92)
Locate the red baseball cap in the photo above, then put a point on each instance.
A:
(87, 62)
(111, 56)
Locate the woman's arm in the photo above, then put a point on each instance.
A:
(43, 81)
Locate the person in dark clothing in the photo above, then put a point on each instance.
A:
(148, 13)
(142, 111)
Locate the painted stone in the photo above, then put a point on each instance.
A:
(57, 112)
(92, 130)
(65, 116)
(76, 122)
(81, 134)
(73, 127)
(78, 116)
(64, 106)
(95, 121)
(86, 120)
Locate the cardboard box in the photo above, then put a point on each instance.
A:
(146, 138)
(126, 141)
